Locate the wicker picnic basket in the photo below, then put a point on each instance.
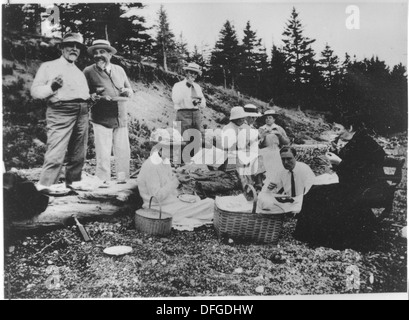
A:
(152, 221)
(255, 227)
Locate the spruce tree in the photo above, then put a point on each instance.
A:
(165, 39)
(253, 61)
(297, 49)
(329, 66)
(279, 78)
(225, 57)
(117, 22)
(181, 53)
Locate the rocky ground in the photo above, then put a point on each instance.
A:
(60, 265)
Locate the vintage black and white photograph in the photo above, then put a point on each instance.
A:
(191, 150)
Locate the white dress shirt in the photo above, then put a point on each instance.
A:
(182, 96)
(304, 178)
(74, 86)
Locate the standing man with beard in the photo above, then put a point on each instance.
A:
(110, 88)
(67, 93)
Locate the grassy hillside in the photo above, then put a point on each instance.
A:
(151, 107)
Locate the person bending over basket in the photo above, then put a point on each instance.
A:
(157, 179)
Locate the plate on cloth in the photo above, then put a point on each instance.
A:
(117, 250)
(190, 198)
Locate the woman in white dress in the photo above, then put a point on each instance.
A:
(157, 179)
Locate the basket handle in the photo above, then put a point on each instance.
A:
(160, 206)
(254, 196)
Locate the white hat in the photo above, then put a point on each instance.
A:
(251, 110)
(101, 44)
(238, 113)
(168, 136)
(193, 67)
(270, 113)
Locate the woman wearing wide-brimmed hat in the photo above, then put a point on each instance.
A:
(239, 139)
(157, 179)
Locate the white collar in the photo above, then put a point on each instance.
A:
(66, 62)
(157, 159)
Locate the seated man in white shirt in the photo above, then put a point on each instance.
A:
(294, 181)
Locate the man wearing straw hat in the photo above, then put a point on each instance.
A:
(65, 88)
(156, 179)
(111, 89)
(187, 97)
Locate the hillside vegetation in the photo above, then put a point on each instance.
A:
(151, 106)
(59, 265)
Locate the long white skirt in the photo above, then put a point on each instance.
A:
(272, 162)
(187, 216)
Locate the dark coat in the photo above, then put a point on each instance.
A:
(335, 215)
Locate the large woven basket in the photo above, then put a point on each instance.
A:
(152, 221)
(254, 227)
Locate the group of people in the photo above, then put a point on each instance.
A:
(331, 215)
(74, 97)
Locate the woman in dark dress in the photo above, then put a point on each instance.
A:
(334, 215)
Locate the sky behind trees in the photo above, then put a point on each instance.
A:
(383, 25)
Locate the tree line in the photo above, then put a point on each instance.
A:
(294, 76)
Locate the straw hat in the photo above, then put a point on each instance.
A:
(238, 113)
(251, 110)
(193, 67)
(101, 44)
(166, 137)
(270, 113)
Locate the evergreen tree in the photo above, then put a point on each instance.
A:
(225, 58)
(22, 17)
(117, 22)
(329, 66)
(182, 53)
(165, 40)
(197, 56)
(298, 51)
(279, 78)
(253, 62)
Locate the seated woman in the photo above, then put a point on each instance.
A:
(156, 179)
(337, 144)
(240, 141)
(334, 215)
(272, 138)
(253, 115)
